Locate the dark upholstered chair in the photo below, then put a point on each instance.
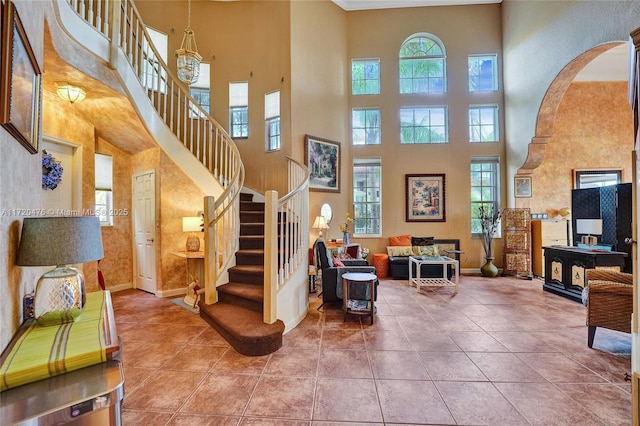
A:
(332, 275)
(609, 301)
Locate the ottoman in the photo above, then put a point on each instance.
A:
(381, 263)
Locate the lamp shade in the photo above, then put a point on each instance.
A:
(49, 241)
(192, 224)
(320, 223)
(589, 226)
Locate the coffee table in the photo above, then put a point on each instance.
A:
(443, 281)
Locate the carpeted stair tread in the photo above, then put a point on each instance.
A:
(247, 291)
(245, 330)
(249, 269)
(250, 257)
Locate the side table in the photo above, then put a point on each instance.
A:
(358, 307)
(191, 299)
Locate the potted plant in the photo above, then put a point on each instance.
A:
(489, 222)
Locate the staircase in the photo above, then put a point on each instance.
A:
(238, 315)
(246, 310)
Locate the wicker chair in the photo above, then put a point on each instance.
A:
(610, 301)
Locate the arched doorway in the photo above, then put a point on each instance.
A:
(582, 123)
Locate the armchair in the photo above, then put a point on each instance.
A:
(609, 301)
(332, 275)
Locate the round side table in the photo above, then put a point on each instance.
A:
(358, 307)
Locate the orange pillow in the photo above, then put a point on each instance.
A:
(400, 240)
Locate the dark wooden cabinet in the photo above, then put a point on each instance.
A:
(565, 268)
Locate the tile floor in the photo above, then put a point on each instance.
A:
(500, 352)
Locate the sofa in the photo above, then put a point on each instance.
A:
(429, 246)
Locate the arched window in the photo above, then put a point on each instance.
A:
(422, 60)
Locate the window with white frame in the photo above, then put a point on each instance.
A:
(422, 60)
(483, 73)
(365, 77)
(200, 91)
(424, 125)
(272, 120)
(483, 123)
(104, 189)
(485, 188)
(153, 76)
(239, 109)
(367, 200)
(365, 126)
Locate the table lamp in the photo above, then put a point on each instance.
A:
(320, 224)
(589, 227)
(60, 241)
(192, 224)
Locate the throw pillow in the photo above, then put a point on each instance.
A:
(400, 240)
(421, 241)
(399, 251)
(431, 251)
(337, 262)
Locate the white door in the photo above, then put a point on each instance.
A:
(144, 230)
(59, 201)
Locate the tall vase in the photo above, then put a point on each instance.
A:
(345, 238)
(489, 269)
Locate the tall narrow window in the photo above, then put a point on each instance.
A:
(272, 120)
(367, 202)
(485, 188)
(199, 91)
(239, 109)
(422, 60)
(365, 126)
(424, 125)
(365, 77)
(483, 73)
(483, 123)
(154, 77)
(104, 189)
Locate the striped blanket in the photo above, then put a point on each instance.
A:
(46, 351)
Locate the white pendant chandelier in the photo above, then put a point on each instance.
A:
(188, 56)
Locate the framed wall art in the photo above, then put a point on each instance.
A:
(522, 186)
(425, 198)
(322, 156)
(20, 82)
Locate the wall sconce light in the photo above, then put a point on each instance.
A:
(69, 92)
(192, 224)
(565, 212)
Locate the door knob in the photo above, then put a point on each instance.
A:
(150, 240)
(629, 241)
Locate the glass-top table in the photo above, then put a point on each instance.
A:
(443, 281)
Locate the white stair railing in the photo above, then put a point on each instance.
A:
(286, 235)
(120, 22)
